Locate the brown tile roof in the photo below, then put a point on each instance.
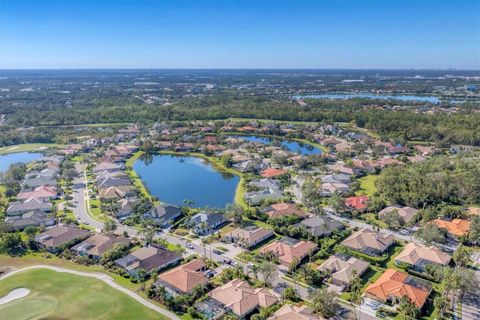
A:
(283, 209)
(241, 298)
(100, 243)
(272, 172)
(343, 269)
(394, 283)
(407, 213)
(185, 277)
(457, 227)
(291, 312)
(289, 250)
(60, 235)
(363, 239)
(414, 253)
(250, 236)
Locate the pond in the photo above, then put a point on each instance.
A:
(290, 145)
(7, 159)
(175, 178)
(345, 96)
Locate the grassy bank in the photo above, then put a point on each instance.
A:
(28, 147)
(137, 181)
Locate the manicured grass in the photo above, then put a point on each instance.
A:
(28, 147)
(372, 219)
(95, 211)
(67, 296)
(367, 185)
(137, 182)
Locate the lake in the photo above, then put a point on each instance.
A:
(290, 145)
(7, 159)
(175, 178)
(345, 96)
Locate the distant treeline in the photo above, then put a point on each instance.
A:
(443, 129)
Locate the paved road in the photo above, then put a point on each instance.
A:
(80, 196)
(471, 303)
(105, 278)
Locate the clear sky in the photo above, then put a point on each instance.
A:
(240, 34)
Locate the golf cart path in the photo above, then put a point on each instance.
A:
(105, 278)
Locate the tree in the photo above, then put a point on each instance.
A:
(467, 282)
(325, 302)
(109, 225)
(142, 277)
(407, 309)
(290, 294)
(235, 213)
(432, 233)
(337, 203)
(462, 256)
(268, 271)
(392, 218)
(440, 303)
(474, 235)
(355, 291)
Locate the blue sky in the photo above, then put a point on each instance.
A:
(240, 34)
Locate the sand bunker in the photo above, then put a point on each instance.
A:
(14, 294)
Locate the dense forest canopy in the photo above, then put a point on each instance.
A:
(449, 180)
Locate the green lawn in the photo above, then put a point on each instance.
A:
(56, 295)
(367, 185)
(28, 147)
(137, 182)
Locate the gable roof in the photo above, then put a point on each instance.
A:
(413, 253)
(185, 277)
(241, 298)
(398, 284)
(60, 235)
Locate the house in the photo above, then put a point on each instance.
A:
(292, 312)
(95, 246)
(164, 214)
(289, 250)
(249, 236)
(283, 209)
(358, 203)
(108, 166)
(112, 182)
(273, 173)
(393, 285)
(115, 192)
(60, 236)
(321, 226)
(455, 228)
(184, 278)
(338, 168)
(405, 213)
(35, 182)
(336, 178)
(344, 268)
(203, 223)
(241, 298)
(43, 193)
(19, 207)
(30, 219)
(369, 242)
(268, 189)
(152, 257)
(125, 208)
(329, 189)
(418, 256)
